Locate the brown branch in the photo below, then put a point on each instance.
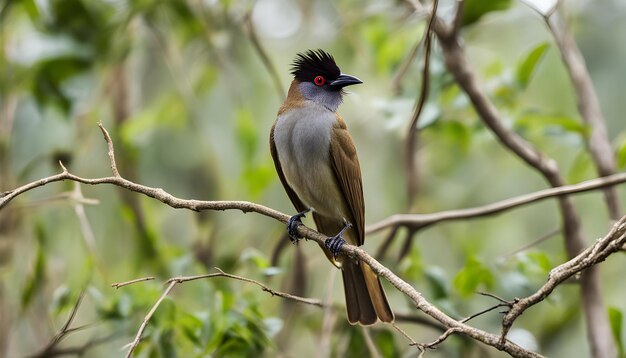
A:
(411, 141)
(111, 151)
(458, 17)
(542, 238)
(404, 67)
(352, 251)
(598, 252)
(441, 338)
(598, 142)
(419, 221)
(267, 62)
(598, 327)
(64, 331)
(422, 304)
(180, 279)
(122, 284)
(144, 324)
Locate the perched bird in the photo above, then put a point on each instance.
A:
(317, 163)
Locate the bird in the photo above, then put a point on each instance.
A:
(316, 161)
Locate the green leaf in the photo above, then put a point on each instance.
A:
(411, 265)
(581, 168)
(167, 112)
(526, 68)
(616, 318)
(621, 150)
(473, 10)
(61, 299)
(474, 275)
(50, 74)
(534, 263)
(256, 257)
(438, 281)
(36, 280)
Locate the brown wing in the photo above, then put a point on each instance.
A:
(292, 194)
(346, 166)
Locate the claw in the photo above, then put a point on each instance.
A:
(334, 243)
(293, 223)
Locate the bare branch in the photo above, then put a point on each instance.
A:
(411, 340)
(591, 256)
(423, 220)
(598, 142)
(180, 279)
(458, 17)
(443, 337)
(597, 324)
(267, 62)
(107, 138)
(64, 331)
(122, 284)
(411, 141)
(144, 324)
(352, 251)
(542, 238)
(369, 342)
(404, 67)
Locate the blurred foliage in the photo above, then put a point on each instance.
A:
(189, 104)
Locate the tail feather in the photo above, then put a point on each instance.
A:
(365, 298)
(376, 293)
(358, 304)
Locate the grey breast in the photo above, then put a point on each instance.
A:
(302, 138)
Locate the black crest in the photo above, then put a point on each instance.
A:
(310, 64)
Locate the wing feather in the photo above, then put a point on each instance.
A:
(346, 166)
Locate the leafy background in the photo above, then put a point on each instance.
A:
(189, 104)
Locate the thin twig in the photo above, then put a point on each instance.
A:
(64, 331)
(550, 234)
(598, 142)
(591, 256)
(369, 342)
(411, 141)
(122, 284)
(111, 152)
(402, 332)
(417, 299)
(458, 17)
(423, 220)
(267, 62)
(404, 67)
(144, 324)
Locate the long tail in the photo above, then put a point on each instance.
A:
(365, 298)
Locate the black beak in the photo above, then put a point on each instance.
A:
(345, 80)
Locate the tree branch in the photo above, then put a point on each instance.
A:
(598, 252)
(411, 140)
(598, 142)
(352, 251)
(267, 62)
(419, 221)
(455, 59)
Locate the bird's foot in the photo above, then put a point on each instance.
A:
(334, 243)
(293, 223)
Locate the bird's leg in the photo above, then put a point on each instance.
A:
(334, 243)
(293, 223)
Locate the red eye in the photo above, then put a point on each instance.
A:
(319, 81)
